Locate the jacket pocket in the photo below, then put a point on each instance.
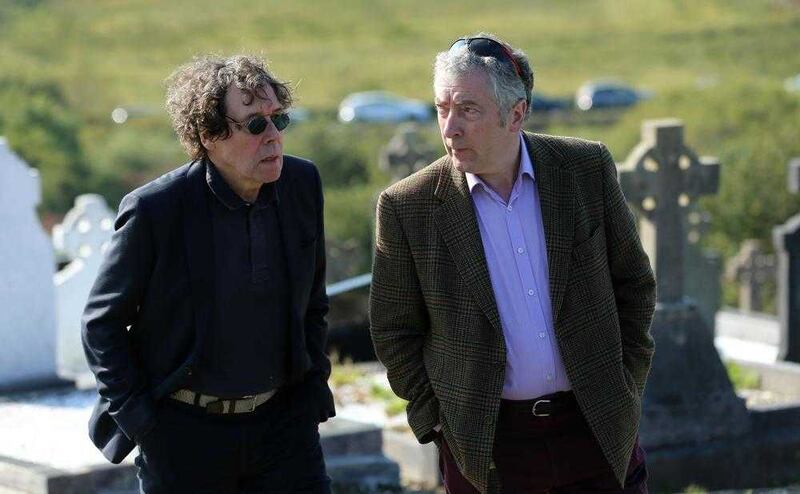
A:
(592, 245)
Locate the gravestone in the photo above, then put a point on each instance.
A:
(83, 237)
(703, 268)
(689, 398)
(794, 176)
(752, 268)
(786, 239)
(407, 152)
(27, 298)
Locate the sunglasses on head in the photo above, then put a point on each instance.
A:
(487, 47)
(258, 123)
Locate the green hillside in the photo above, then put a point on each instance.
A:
(719, 65)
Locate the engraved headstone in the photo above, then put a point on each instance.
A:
(703, 268)
(27, 297)
(407, 152)
(689, 398)
(752, 268)
(794, 176)
(786, 239)
(83, 237)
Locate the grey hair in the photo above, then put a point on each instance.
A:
(508, 87)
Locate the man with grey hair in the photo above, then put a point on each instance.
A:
(511, 299)
(206, 325)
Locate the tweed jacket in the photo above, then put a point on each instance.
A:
(435, 323)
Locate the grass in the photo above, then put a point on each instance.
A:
(110, 53)
(344, 372)
(718, 64)
(695, 489)
(393, 405)
(741, 377)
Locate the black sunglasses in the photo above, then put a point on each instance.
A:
(487, 47)
(258, 123)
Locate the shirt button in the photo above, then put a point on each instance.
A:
(541, 335)
(549, 377)
(520, 250)
(530, 292)
(509, 208)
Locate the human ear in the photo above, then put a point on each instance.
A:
(517, 115)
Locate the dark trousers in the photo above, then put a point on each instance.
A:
(555, 454)
(275, 449)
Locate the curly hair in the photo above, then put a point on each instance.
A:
(196, 95)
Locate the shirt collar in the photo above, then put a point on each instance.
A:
(267, 194)
(525, 168)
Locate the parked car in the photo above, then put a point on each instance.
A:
(381, 106)
(541, 103)
(606, 94)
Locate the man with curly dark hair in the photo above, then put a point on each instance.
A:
(206, 325)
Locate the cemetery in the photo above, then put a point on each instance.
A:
(698, 428)
(81, 107)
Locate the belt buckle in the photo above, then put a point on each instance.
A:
(537, 414)
(252, 399)
(218, 407)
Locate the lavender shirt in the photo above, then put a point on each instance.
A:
(514, 244)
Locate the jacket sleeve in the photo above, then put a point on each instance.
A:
(110, 310)
(399, 321)
(631, 275)
(316, 326)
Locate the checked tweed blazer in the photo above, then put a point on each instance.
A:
(435, 323)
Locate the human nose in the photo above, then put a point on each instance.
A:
(271, 132)
(450, 125)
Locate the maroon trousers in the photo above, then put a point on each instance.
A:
(554, 454)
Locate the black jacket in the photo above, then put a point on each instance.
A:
(150, 306)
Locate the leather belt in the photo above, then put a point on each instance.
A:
(218, 406)
(544, 406)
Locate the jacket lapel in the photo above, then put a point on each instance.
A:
(290, 233)
(291, 240)
(199, 242)
(555, 186)
(458, 226)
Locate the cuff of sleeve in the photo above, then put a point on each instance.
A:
(136, 417)
(321, 392)
(423, 416)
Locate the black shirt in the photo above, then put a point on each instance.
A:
(248, 343)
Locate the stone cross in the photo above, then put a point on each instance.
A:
(407, 152)
(752, 268)
(27, 297)
(83, 236)
(86, 229)
(662, 177)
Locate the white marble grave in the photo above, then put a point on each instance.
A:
(83, 237)
(27, 296)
